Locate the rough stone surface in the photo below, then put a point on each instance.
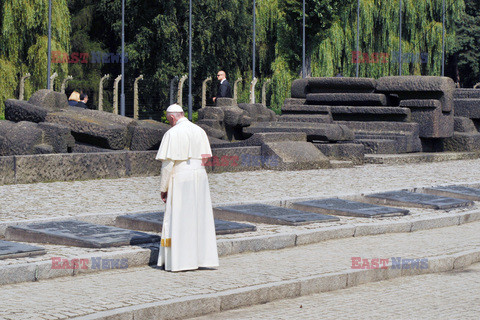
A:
(462, 124)
(347, 99)
(434, 123)
(7, 169)
(302, 87)
(236, 159)
(58, 136)
(293, 155)
(294, 101)
(343, 151)
(461, 93)
(212, 132)
(225, 102)
(91, 129)
(65, 167)
(462, 141)
(379, 146)
(258, 112)
(49, 99)
(269, 214)
(314, 131)
(234, 116)
(19, 138)
(215, 113)
(468, 108)
(316, 118)
(142, 164)
(359, 113)
(78, 233)
(147, 135)
(306, 109)
(19, 110)
(419, 87)
(88, 148)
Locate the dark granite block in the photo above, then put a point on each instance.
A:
(459, 192)
(420, 200)
(347, 99)
(78, 233)
(270, 214)
(153, 221)
(348, 208)
(18, 250)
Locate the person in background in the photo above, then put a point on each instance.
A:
(83, 101)
(73, 99)
(224, 89)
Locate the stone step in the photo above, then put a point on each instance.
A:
(468, 108)
(360, 113)
(317, 118)
(302, 87)
(461, 93)
(314, 131)
(347, 99)
(248, 279)
(379, 146)
(353, 152)
(382, 126)
(404, 142)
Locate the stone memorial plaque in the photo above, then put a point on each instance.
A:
(348, 208)
(459, 192)
(270, 214)
(153, 221)
(419, 200)
(78, 233)
(18, 250)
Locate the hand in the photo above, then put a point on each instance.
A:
(163, 195)
(214, 99)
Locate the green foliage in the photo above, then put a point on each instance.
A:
(468, 51)
(8, 83)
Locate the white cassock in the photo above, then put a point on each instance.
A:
(188, 233)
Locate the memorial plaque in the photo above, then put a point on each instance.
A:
(153, 221)
(420, 200)
(18, 250)
(348, 208)
(78, 233)
(270, 214)
(459, 192)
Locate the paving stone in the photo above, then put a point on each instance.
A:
(77, 233)
(459, 192)
(153, 221)
(419, 200)
(17, 250)
(351, 208)
(269, 214)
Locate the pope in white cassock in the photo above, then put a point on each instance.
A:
(188, 234)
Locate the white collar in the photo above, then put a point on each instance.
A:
(222, 81)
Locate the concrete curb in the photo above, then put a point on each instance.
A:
(235, 298)
(42, 270)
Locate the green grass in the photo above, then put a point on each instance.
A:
(2, 115)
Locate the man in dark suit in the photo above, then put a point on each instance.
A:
(224, 89)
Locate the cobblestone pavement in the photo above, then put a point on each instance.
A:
(448, 295)
(65, 297)
(44, 200)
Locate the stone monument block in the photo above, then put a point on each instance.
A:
(91, 129)
(462, 124)
(461, 93)
(58, 136)
(462, 141)
(348, 208)
(362, 113)
(347, 99)
(315, 118)
(302, 87)
(13, 250)
(269, 214)
(419, 87)
(18, 110)
(468, 108)
(354, 152)
(314, 131)
(147, 135)
(78, 234)
(293, 155)
(49, 99)
(434, 123)
(419, 200)
(153, 221)
(459, 192)
(19, 138)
